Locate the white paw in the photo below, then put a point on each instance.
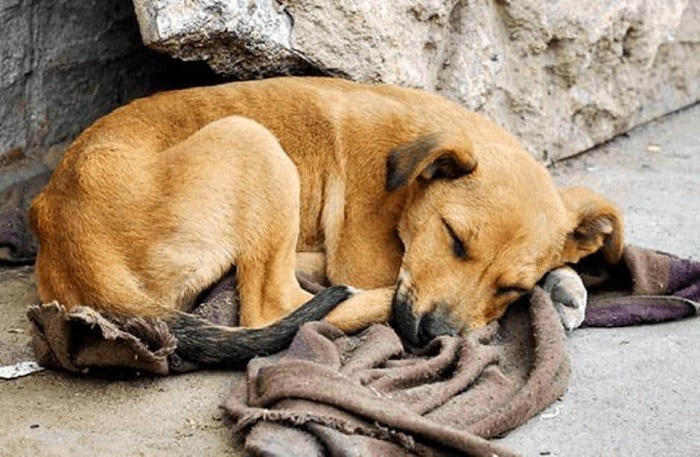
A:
(569, 295)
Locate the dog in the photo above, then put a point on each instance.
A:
(419, 213)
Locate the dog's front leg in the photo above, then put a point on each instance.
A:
(363, 309)
(568, 294)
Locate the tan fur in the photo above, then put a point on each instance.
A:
(154, 202)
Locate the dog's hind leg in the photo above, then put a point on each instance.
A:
(267, 284)
(246, 191)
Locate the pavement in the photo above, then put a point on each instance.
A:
(633, 390)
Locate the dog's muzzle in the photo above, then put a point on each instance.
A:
(417, 330)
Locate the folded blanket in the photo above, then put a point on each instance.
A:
(333, 394)
(84, 340)
(646, 286)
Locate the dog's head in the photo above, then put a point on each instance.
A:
(481, 228)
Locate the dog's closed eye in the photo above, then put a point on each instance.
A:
(458, 247)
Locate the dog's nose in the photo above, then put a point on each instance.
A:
(417, 330)
(433, 325)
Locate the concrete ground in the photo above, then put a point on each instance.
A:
(633, 390)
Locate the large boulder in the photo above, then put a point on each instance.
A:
(562, 75)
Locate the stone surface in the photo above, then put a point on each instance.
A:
(63, 64)
(560, 75)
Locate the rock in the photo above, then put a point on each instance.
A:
(563, 75)
(63, 64)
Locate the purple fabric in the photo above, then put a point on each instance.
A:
(684, 279)
(646, 286)
(637, 310)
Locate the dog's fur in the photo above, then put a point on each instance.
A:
(438, 212)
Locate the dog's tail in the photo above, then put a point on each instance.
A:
(200, 343)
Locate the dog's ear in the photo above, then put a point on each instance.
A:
(433, 156)
(596, 226)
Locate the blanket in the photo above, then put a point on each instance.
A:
(364, 395)
(646, 286)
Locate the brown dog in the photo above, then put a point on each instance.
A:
(156, 201)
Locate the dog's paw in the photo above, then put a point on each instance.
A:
(568, 294)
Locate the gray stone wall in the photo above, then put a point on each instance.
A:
(562, 75)
(63, 63)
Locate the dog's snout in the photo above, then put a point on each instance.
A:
(404, 320)
(433, 325)
(418, 330)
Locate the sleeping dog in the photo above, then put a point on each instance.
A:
(437, 217)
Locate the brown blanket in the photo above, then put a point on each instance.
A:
(84, 340)
(363, 395)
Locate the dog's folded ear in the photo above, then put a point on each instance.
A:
(596, 226)
(430, 157)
